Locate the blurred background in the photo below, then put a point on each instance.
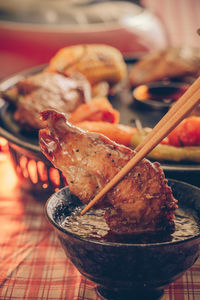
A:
(31, 31)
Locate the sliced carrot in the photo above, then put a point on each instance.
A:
(165, 141)
(187, 133)
(121, 134)
(99, 109)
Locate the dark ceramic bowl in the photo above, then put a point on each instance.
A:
(159, 95)
(124, 269)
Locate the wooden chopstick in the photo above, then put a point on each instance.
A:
(172, 118)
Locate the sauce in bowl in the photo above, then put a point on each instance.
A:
(92, 225)
(159, 95)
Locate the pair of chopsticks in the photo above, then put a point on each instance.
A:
(171, 119)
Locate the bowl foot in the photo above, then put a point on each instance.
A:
(130, 294)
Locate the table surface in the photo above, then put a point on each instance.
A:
(33, 264)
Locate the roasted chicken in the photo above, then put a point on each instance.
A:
(141, 202)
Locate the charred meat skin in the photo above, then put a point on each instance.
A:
(141, 202)
(54, 83)
(49, 91)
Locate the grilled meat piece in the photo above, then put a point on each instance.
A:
(165, 64)
(141, 202)
(49, 91)
(98, 62)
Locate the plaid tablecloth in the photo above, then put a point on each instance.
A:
(33, 264)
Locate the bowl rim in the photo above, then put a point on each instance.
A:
(153, 104)
(117, 244)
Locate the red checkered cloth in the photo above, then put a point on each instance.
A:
(33, 264)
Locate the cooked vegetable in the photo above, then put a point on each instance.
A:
(99, 109)
(167, 152)
(121, 134)
(187, 133)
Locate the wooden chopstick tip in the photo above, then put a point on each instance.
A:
(83, 211)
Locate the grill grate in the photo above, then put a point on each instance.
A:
(34, 173)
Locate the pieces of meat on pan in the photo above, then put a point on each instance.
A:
(48, 91)
(141, 202)
(97, 62)
(166, 64)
